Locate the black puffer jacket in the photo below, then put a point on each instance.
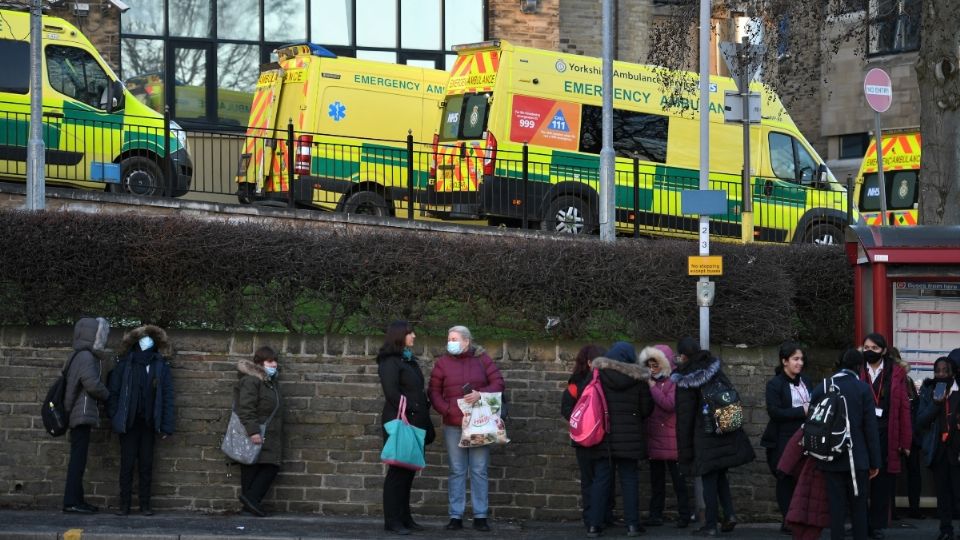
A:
(700, 453)
(628, 402)
(399, 376)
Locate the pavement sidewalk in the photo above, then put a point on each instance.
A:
(54, 525)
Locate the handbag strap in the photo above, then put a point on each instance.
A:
(402, 410)
(276, 390)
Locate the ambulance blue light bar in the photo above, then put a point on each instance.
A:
(294, 49)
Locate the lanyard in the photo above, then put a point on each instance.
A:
(877, 393)
(945, 434)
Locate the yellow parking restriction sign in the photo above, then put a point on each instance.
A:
(705, 265)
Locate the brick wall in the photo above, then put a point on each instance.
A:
(101, 26)
(332, 444)
(581, 23)
(540, 29)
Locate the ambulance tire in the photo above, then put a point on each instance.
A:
(140, 176)
(824, 234)
(367, 203)
(569, 214)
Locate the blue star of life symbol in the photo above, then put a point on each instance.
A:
(337, 111)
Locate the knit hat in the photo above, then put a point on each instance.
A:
(688, 346)
(622, 351)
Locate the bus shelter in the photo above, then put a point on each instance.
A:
(907, 288)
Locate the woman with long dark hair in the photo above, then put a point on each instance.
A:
(401, 376)
(788, 398)
(582, 373)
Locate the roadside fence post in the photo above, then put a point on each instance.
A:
(849, 199)
(410, 190)
(169, 177)
(526, 179)
(636, 197)
(290, 161)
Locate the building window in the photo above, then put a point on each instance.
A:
(209, 52)
(854, 146)
(894, 26)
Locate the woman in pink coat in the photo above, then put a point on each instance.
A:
(661, 437)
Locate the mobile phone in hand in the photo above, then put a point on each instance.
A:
(467, 388)
(939, 391)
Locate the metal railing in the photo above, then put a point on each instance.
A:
(406, 179)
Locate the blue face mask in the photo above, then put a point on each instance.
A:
(454, 347)
(271, 371)
(145, 343)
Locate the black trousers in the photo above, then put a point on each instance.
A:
(256, 479)
(843, 502)
(136, 448)
(658, 488)
(881, 488)
(913, 469)
(785, 483)
(716, 493)
(585, 462)
(396, 495)
(948, 490)
(79, 444)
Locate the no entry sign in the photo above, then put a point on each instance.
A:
(878, 89)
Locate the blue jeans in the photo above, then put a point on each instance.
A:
(460, 459)
(603, 482)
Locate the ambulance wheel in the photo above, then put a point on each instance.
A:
(140, 176)
(569, 215)
(367, 203)
(823, 234)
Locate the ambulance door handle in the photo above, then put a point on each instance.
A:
(768, 188)
(463, 150)
(52, 115)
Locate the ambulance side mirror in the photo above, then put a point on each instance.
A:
(115, 96)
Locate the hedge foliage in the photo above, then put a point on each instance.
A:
(184, 272)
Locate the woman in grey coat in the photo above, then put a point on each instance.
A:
(83, 392)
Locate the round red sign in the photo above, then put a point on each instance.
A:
(878, 89)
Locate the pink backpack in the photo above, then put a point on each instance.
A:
(590, 422)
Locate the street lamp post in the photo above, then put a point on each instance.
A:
(35, 148)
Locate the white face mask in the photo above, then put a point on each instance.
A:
(146, 342)
(454, 347)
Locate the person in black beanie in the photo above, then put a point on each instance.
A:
(140, 407)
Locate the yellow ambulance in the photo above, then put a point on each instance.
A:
(501, 97)
(901, 174)
(97, 135)
(350, 121)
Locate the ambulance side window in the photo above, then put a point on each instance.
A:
(782, 158)
(15, 75)
(635, 134)
(75, 73)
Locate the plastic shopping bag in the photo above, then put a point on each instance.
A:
(481, 421)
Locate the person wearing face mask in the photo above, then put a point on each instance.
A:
(788, 398)
(887, 382)
(937, 417)
(661, 433)
(401, 377)
(258, 402)
(463, 372)
(140, 407)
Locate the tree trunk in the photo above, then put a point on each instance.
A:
(939, 82)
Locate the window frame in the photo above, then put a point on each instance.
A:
(904, 17)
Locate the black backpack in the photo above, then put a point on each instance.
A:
(52, 410)
(721, 407)
(826, 431)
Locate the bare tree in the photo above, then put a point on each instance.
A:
(806, 30)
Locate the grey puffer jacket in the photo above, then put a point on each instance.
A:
(84, 387)
(257, 396)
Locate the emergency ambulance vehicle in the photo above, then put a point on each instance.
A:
(901, 174)
(501, 97)
(350, 120)
(97, 135)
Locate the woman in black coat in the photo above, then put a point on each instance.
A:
(707, 455)
(628, 402)
(400, 375)
(788, 397)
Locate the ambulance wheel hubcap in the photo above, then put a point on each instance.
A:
(141, 183)
(569, 220)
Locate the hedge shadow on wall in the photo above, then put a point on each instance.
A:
(183, 272)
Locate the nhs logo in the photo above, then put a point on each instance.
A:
(873, 192)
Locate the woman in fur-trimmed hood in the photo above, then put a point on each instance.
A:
(140, 407)
(700, 453)
(258, 403)
(628, 403)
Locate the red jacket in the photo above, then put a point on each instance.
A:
(449, 375)
(899, 429)
(809, 511)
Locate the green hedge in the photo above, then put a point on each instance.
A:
(180, 272)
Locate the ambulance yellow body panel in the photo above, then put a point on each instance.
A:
(96, 134)
(350, 120)
(502, 96)
(901, 174)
